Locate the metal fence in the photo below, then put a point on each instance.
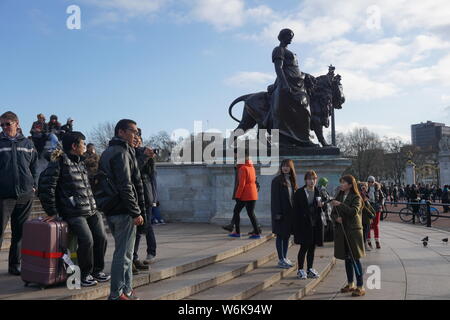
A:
(424, 212)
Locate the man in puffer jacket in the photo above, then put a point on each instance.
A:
(64, 190)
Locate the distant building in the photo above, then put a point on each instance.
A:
(426, 135)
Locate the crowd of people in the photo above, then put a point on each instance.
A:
(78, 185)
(310, 214)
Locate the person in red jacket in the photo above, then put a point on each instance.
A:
(245, 194)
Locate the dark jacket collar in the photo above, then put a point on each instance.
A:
(74, 158)
(19, 136)
(117, 141)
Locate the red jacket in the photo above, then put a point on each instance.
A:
(246, 186)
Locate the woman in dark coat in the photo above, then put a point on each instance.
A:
(308, 224)
(283, 189)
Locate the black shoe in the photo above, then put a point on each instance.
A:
(135, 270)
(140, 266)
(101, 277)
(88, 281)
(228, 228)
(14, 270)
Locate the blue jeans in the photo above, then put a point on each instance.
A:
(156, 214)
(282, 245)
(124, 232)
(350, 269)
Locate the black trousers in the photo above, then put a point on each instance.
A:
(18, 210)
(92, 242)
(250, 207)
(149, 236)
(308, 251)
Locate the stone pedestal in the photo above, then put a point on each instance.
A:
(444, 167)
(203, 192)
(410, 173)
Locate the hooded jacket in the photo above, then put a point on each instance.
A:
(246, 189)
(18, 166)
(64, 187)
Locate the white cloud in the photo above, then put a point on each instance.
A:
(358, 86)
(349, 54)
(222, 14)
(131, 7)
(250, 80)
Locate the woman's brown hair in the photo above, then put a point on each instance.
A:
(352, 181)
(293, 176)
(310, 174)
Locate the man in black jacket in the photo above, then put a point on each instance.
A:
(18, 159)
(123, 204)
(145, 158)
(64, 189)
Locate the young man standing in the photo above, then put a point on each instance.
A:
(64, 189)
(18, 159)
(123, 204)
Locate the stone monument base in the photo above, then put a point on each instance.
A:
(203, 192)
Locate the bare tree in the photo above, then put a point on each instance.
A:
(101, 135)
(163, 143)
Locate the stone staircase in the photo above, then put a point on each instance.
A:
(232, 269)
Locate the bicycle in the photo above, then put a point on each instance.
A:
(406, 214)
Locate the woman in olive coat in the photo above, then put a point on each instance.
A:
(283, 189)
(348, 235)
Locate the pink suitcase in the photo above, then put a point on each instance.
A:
(43, 246)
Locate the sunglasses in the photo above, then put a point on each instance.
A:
(6, 124)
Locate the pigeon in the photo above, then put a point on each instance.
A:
(445, 240)
(425, 243)
(425, 239)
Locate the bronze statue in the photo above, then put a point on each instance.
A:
(296, 103)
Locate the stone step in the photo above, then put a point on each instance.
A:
(291, 288)
(250, 284)
(209, 276)
(163, 269)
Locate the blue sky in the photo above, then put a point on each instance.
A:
(167, 63)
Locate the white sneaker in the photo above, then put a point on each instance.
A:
(313, 274)
(301, 274)
(282, 264)
(289, 262)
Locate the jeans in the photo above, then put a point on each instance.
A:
(149, 236)
(250, 207)
(282, 245)
(92, 242)
(308, 251)
(350, 269)
(155, 214)
(124, 232)
(19, 211)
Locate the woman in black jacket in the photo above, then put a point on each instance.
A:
(308, 225)
(283, 189)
